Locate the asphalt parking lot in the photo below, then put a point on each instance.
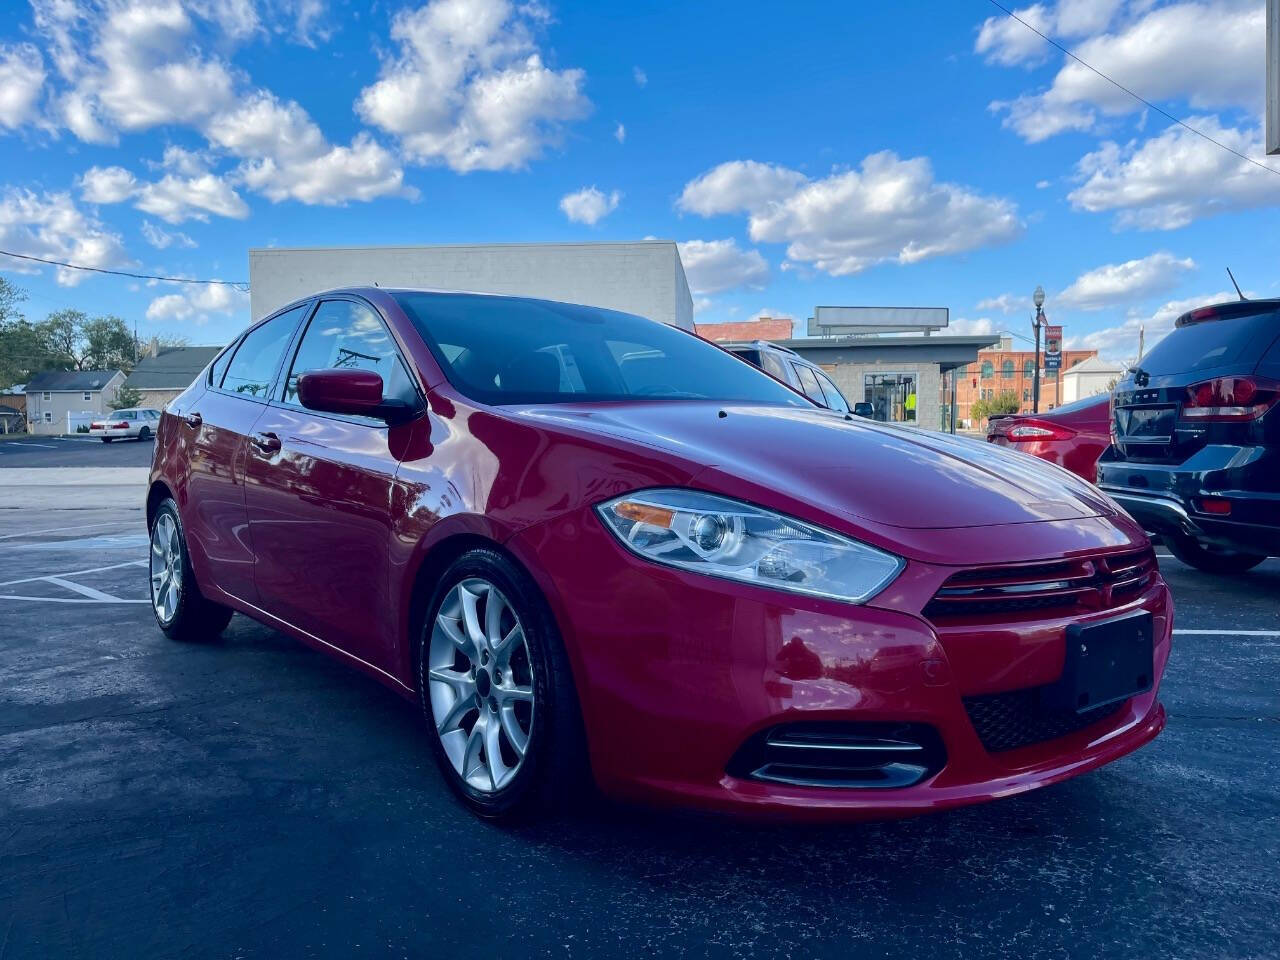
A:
(73, 452)
(253, 798)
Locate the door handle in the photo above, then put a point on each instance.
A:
(266, 442)
(192, 420)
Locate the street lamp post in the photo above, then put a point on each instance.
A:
(1038, 298)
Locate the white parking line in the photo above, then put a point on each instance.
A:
(74, 526)
(1227, 633)
(76, 573)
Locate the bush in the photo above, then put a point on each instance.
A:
(82, 428)
(1006, 401)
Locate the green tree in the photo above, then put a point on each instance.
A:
(81, 342)
(1006, 401)
(126, 397)
(22, 346)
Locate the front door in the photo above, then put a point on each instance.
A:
(319, 493)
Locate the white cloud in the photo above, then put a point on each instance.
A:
(964, 327)
(1120, 341)
(175, 199)
(702, 305)
(1117, 283)
(1005, 41)
(768, 313)
(888, 210)
(107, 185)
(469, 87)
(162, 239)
(620, 133)
(196, 302)
(641, 78)
(589, 205)
(1176, 177)
(713, 266)
(22, 77)
(1004, 303)
(1204, 53)
(51, 226)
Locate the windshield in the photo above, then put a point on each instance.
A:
(508, 350)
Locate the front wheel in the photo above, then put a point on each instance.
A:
(1211, 559)
(497, 692)
(181, 609)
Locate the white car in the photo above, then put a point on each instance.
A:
(137, 422)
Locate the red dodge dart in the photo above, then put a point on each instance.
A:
(1072, 435)
(595, 549)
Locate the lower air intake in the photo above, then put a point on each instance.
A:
(1020, 718)
(842, 755)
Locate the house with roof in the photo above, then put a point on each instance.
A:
(59, 399)
(166, 371)
(1089, 377)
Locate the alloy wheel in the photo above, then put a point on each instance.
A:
(480, 685)
(166, 568)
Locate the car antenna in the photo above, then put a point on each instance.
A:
(1236, 285)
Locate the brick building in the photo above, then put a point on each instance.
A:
(765, 328)
(1004, 368)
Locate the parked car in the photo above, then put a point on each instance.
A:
(590, 545)
(1196, 456)
(796, 372)
(1072, 435)
(137, 422)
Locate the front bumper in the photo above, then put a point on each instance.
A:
(675, 672)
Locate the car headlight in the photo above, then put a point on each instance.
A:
(727, 538)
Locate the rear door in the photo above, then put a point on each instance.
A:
(1147, 416)
(320, 487)
(216, 427)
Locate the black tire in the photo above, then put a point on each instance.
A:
(196, 617)
(106, 439)
(1211, 559)
(555, 774)
(144, 433)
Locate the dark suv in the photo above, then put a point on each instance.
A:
(1195, 452)
(798, 373)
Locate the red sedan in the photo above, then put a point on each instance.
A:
(1072, 435)
(593, 547)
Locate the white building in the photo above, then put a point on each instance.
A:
(644, 278)
(1089, 377)
(59, 400)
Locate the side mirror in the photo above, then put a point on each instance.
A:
(352, 392)
(863, 409)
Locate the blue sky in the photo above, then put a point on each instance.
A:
(907, 153)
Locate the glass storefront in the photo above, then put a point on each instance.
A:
(892, 396)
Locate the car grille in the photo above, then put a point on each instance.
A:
(1058, 586)
(1006, 721)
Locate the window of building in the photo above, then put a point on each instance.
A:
(1006, 370)
(1029, 368)
(988, 371)
(48, 416)
(87, 396)
(1026, 395)
(45, 395)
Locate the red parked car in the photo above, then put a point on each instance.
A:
(1072, 435)
(592, 546)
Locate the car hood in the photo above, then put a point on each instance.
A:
(888, 475)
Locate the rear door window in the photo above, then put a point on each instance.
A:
(1213, 343)
(254, 366)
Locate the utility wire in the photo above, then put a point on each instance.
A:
(238, 284)
(1143, 100)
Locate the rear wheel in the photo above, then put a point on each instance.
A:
(144, 433)
(106, 439)
(1211, 559)
(497, 693)
(180, 608)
